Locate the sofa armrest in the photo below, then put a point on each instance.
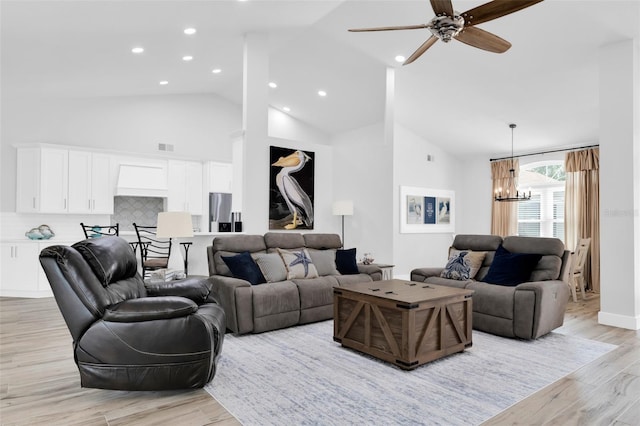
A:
(197, 289)
(232, 294)
(372, 270)
(421, 274)
(150, 309)
(539, 307)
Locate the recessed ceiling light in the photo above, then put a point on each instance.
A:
(216, 70)
(164, 83)
(273, 85)
(187, 58)
(137, 50)
(286, 109)
(189, 31)
(400, 58)
(322, 93)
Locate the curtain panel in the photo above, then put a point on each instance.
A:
(582, 208)
(504, 214)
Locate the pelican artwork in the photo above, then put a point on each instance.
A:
(297, 200)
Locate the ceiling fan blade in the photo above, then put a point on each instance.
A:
(442, 7)
(427, 44)
(494, 9)
(482, 39)
(404, 27)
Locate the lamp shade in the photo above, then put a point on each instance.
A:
(343, 208)
(174, 225)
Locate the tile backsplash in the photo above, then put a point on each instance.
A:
(140, 210)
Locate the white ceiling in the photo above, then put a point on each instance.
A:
(456, 96)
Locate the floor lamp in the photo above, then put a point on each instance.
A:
(175, 225)
(343, 208)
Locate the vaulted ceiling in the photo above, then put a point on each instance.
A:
(455, 96)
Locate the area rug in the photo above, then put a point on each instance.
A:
(300, 376)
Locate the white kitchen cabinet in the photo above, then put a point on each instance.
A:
(90, 186)
(19, 276)
(22, 275)
(220, 177)
(185, 187)
(42, 180)
(53, 180)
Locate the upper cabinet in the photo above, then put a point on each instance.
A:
(53, 180)
(90, 188)
(185, 187)
(42, 181)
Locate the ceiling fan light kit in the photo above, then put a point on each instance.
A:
(449, 24)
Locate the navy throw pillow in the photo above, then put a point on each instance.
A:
(511, 269)
(346, 261)
(244, 267)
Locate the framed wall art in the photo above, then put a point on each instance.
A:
(426, 210)
(291, 188)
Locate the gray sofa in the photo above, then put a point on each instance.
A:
(273, 305)
(528, 310)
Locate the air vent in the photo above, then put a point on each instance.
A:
(165, 147)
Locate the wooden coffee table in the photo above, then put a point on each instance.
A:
(402, 322)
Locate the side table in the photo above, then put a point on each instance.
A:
(387, 270)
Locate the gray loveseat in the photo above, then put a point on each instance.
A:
(273, 305)
(527, 310)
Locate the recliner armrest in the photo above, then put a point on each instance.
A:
(149, 309)
(197, 289)
(421, 274)
(372, 270)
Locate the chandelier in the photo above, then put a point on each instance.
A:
(511, 192)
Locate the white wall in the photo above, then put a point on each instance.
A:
(411, 168)
(198, 126)
(284, 126)
(363, 173)
(619, 146)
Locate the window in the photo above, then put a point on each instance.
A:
(543, 215)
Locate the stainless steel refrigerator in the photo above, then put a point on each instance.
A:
(219, 209)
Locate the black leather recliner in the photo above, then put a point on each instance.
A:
(127, 336)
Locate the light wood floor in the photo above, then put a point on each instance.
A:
(39, 383)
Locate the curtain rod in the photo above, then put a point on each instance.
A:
(546, 152)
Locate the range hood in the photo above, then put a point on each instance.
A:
(142, 180)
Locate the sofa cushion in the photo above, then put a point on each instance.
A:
(271, 265)
(325, 261)
(346, 261)
(275, 298)
(283, 240)
(316, 291)
(511, 269)
(322, 241)
(244, 267)
(298, 264)
(494, 300)
(463, 264)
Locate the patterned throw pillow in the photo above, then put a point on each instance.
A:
(298, 264)
(271, 265)
(463, 265)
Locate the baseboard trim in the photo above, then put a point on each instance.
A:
(621, 321)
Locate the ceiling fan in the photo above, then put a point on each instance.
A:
(449, 24)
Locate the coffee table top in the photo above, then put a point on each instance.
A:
(409, 292)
